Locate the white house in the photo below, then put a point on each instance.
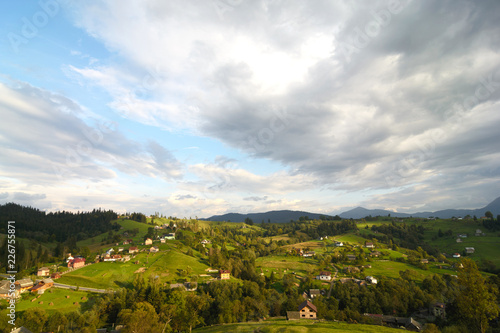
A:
(324, 276)
(469, 250)
(456, 255)
(339, 244)
(371, 279)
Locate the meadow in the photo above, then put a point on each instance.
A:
(295, 326)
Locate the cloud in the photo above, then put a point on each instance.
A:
(21, 196)
(264, 198)
(51, 142)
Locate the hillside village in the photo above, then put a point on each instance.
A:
(311, 265)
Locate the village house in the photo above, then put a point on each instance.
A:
(114, 257)
(69, 258)
(339, 244)
(375, 254)
(55, 275)
(438, 309)
(324, 276)
(162, 240)
(456, 255)
(76, 263)
(369, 245)
(479, 232)
(314, 293)
(170, 236)
(351, 257)
(224, 274)
(469, 250)
(462, 235)
(23, 285)
(42, 286)
(205, 241)
(21, 329)
(459, 240)
(424, 261)
(44, 271)
(133, 249)
(409, 324)
(120, 249)
(371, 279)
(148, 241)
(154, 249)
(307, 310)
(308, 254)
(5, 290)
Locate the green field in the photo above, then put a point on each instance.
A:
(295, 326)
(166, 265)
(58, 298)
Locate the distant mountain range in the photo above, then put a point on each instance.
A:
(283, 216)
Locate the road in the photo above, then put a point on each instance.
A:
(65, 286)
(333, 280)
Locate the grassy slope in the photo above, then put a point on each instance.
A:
(58, 297)
(165, 264)
(295, 326)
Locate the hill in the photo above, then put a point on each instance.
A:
(275, 216)
(361, 212)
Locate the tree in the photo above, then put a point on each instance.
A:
(249, 221)
(476, 303)
(489, 215)
(34, 319)
(142, 318)
(56, 323)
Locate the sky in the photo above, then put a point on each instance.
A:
(197, 108)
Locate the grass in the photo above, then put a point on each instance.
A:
(166, 265)
(295, 326)
(391, 269)
(58, 297)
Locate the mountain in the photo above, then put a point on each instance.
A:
(361, 212)
(276, 216)
(283, 216)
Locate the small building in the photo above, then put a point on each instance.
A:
(154, 249)
(459, 240)
(456, 255)
(133, 249)
(224, 274)
(462, 235)
(70, 257)
(307, 310)
(375, 254)
(21, 329)
(120, 249)
(438, 309)
(23, 285)
(308, 254)
(324, 276)
(479, 232)
(44, 271)
(369, 245)
(339, 244)
(170, 236)
(469, 250)
(424, 261)
(205, 241)
(148, 241)
(76, 263)
(371, 279)
(5, 290)
(314, 293)
(351, 257)
(162, 240)
(125, 242)
(55, 275)
(42, 286)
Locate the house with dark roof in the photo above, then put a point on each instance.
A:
(307, 310)
(324, 276)
(314, 293)
(76, 263)
(42, 286)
